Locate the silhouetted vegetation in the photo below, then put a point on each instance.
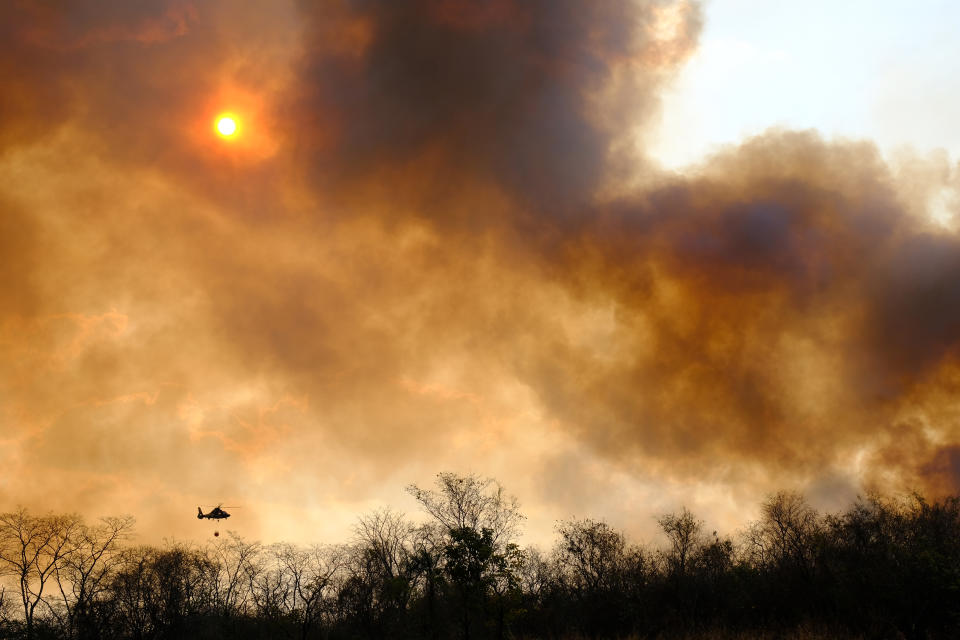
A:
(882, 569)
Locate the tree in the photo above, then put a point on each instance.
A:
(235, 564)
(684, 533)
(82, 578)
(426, 563)
(309, 576)
(471, 502)
(6, 613)
(591, 554)
(593, 563)
(788, 526)
(479, 520)
(156, 591)
(383, 562)
(271, 590)
(33, 549)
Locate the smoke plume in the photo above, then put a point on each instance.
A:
(442, 245)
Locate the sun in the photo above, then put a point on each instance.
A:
(227, 126)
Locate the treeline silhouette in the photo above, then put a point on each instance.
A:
(882, 568)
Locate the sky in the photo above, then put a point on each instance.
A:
(881, 71)
(621, 257)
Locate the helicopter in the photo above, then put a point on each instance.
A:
(215, 514)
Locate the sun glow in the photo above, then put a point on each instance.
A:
(227, 126)
(233, 126)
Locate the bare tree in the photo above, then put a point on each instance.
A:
(471, 502)
(308, 579)
(33, 549)
(382, 560)
(755, 547)
(271, 588)
(157, 590)
(82, 579)
(131, 591)
(684, 532)
(386, 537)
(592, 555)
(235, 562)
(788, 526)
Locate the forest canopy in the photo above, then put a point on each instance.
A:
(884, 567)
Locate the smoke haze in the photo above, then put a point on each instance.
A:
(439, 244)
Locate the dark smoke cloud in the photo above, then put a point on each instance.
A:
(530, 97)
(784, 267)
(787, 260)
